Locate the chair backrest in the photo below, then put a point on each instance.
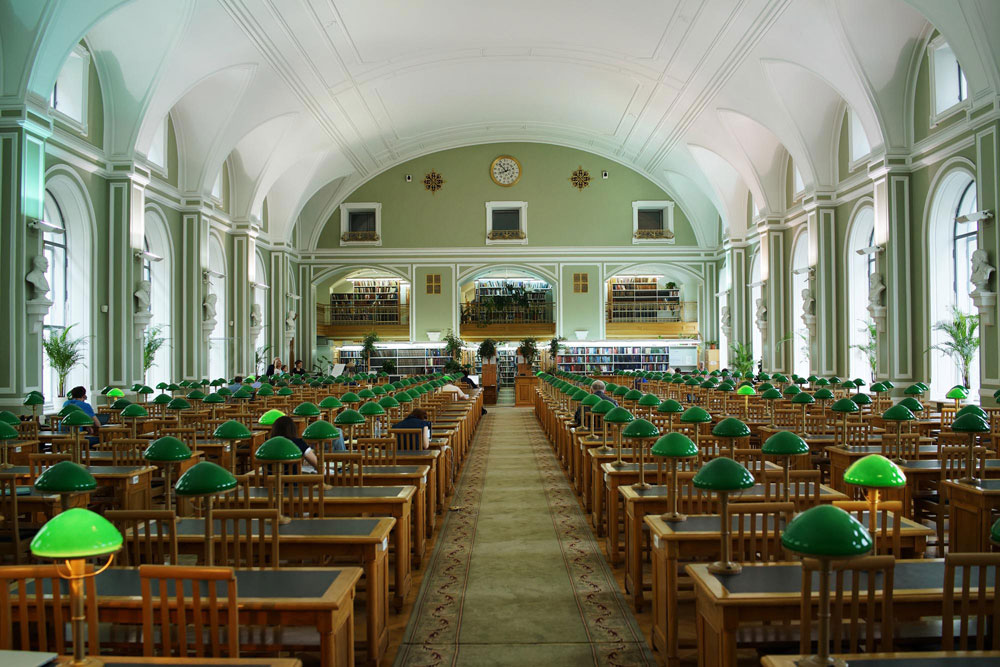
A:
(150, 536)
(953, 462)
(378, 451)
(855, 608)
(947, 416)
(39, 463)
(857, 433)
(756, 535)
(169, 614)
(187, 435)
(23, 591)
(128, 451)
(345, 469)
(11, 531)
(409, 439)
(238, 498)
(979, 617)
(750, 458)
(787, 417)
(804, 485)
(247, 538)
(303, 496)
(888, 539)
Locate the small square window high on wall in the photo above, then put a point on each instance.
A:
(433, 283)
(69, 94)
(581, 283)
(947, 78)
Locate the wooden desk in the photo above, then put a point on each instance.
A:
(364, 541)
(929, 659)
(772, 592)
(131, 485)
(185, 662)
(971, 512)
(419, 476)
(698, 538)
(439, 471)
(394, 501)
(322, 598)
(841, 459)
(18, 451)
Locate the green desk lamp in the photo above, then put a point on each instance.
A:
(349, 419)
(791, 390)
(265, 392)
(724, 476)
(861, 400)
(914, 406)
(674, 446)
(350, 399)
(771, 395)
(33, 400)
(786, 445)
(670, 407)
(331, 404)
(391, 406)
(233, 431)
(845, 407)
(319, 432)
(73, 536)
(279, 450)
(373, 412)
(603, 408)
(587, 403)
(696, 416)
(726, 389)
(746, 391)
(309, 411)
(648, 401)
(822, 395)
(958, 393)
(971, 424)
(804, 399)
(825, 533)
(77, 420)
(133, 413)
(874, 472)
(7, 434)
(974, 409)
(638, 431)
(269, 417)
(178, 405)
(631, 398)
(899, 414)
(729, 429)
(167, 451)
(66, 479)
(619, 417)
(214, 400)
(9, 418)
(206, 480)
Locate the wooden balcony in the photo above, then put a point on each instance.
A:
(347, 322)
(511, 322)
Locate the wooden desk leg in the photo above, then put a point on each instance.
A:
(419, 527)
(597, 498)
(326, 643)
(612, 527)
(671, 621)
(659, 639)
(432, 504)
(633, 554)
(377, 592)
(402, 545)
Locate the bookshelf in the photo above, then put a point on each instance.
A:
(606, 357)
(410, 359)
(507, 301)
(375, 301)
(638, 299)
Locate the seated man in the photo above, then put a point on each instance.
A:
(237, 384)
(454, 390)
(598, 390)
(78, 397)
(416, 419)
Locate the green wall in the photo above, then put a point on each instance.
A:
(433, 311)
(581, 311)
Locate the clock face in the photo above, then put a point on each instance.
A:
(505, 171)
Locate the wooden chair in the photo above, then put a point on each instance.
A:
(39, 463)
(15, 532)
(859, 612)
(150, 536)
(187, 435)
(345, 469)
(978, 616)
(171, 612)
(23, 627)
(757, 535)
(128, 451)
(751, 459)
(378, 451)
(248, 538)
(947, 416)
(239, 498)
(886, 542)
(804, 487)
(409, 439)
(303, 496)
(857, 434)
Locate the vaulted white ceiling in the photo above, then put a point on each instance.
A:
(309, 98)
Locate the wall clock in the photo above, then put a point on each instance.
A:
(505, 171)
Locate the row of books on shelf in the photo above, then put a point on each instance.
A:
(590, 351)
(610, 368)
(609, 358)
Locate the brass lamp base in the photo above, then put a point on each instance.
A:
(674, 517)
(284, 519)
(723, 567)
(641, 485)
(618, 464)
(972, 481)
(816, 661)
(86, 662)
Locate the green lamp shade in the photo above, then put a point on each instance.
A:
(8, 432)
(269, 417)
(957, 392)
(371, 409)
(730, 427)
(695, 415)
(912, 404)
(366, 394)
(145, 390)
(812, 378)
(215, 398)
(973, 409)
(241, 393)
(675, 445)
(723, 474)
(196, 395)
(995, 532)
(330, 403)
(388, 402)
(121, 404)
(134, 411)
(633, 395)
(649, 400)
(320, 430)
(306, 409)
(65, 477)
(822, 382)
(162, 399)
(350, 397)
(862, 399)
(603, 407)
(178, 404)
(69, 408)
(803, 398)
(205, 478)
(78, 418)
(167, 448)
(590, 400)
(610, 387)
(996, 395)
(827, 531)
(845, 405)
(405, 397)
(621, 391)
(771, 395)
(285, 391)
(115, 393)
(784, 443)
(792, 390)
(875, 471)
(581, 394)
(763, 377)
(746, 390)
(76, 533)
(232, 430)
(823, 394)
(618, 416)
(914, 390)
(878, 388)
(278, 449)
(173, 387)
(898, 413)
(349, 418)
(9, 418)
(33, 399)
(263, 391)
(970, 423)
(640, 428)
(707, 384)
(779, 378)
(670, 407)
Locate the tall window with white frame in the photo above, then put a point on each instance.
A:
(799, 336)
(949, 276)
(860, 270)
(54, 248)
(261, 348)
(756, 294)
(725, 309)
(218, 343)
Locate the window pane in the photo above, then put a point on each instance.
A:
(506, 220)
(362, 221)
(69, 92)
(651, 219)
(859, 140)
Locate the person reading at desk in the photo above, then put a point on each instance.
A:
(78, 397)
(287, 428)
(417, 419)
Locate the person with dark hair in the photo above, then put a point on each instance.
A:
(78, 397)
(298, 368)
(237, 384)
(286, 427)
(468, 380)
(417, 419)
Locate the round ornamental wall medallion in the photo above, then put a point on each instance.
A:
(580, 179)
(433, 181)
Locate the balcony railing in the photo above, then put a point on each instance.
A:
(370, 314)
(653, 313)
(486, 314)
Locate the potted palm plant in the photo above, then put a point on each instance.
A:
(554, 346)
(152, 343)
(453, 345)
(368, 348)
(961, 340)
(869, 348)
(527, 349)
(64, 354)
(741, 359)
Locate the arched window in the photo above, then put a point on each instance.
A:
(949, 272)
(756, 294)
(800, 281)
(261, 301)
(54, 249)
(159, 273)
(860, 269)
(724, 307)
(218, 342)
